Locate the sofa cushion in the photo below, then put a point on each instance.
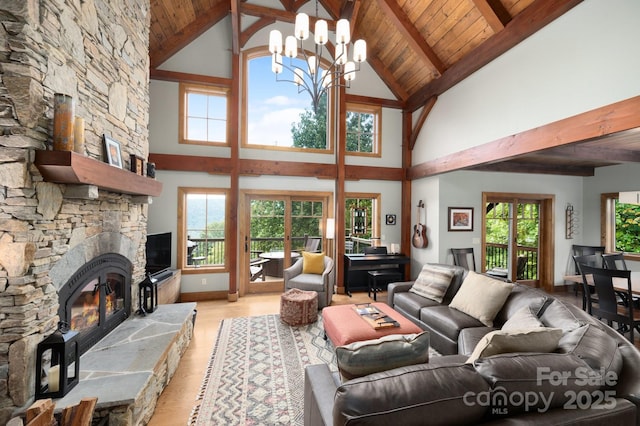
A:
(500, 341)
(555, 378)
(447, 321)
(370, 356)
(521, 296)
(594, 346)
(481, 297)
(469, 338)
(433, 282)
(557, 315)
(410, 396)
(523, 319)
(411, 303)
(312, 263)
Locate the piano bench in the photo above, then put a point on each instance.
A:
(378, 279)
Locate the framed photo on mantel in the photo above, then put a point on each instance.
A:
(137, 164)
(112, 149)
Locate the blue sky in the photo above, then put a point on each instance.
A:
(273, 106)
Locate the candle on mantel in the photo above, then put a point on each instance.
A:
(78, 135)
(54, 378)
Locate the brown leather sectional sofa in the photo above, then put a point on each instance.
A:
(592, 378)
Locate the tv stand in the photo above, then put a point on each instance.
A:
(168, 286)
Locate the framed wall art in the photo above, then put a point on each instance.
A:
(460, 218)
(112, 149)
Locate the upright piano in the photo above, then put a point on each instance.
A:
(357, 265)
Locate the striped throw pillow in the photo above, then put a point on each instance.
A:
(433, 282)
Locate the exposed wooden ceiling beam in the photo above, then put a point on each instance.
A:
(489, 14)
(537, 168)
(182, 38)
(254, 28)
(617, 117)
(423, 117)
(595, 153)
(417, 43)
(235, 27)
(532, 19)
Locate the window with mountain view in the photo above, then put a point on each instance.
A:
(202, 221)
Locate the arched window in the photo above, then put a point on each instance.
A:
(278, 116)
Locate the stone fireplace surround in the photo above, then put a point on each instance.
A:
(96, 52)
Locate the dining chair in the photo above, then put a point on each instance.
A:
(607, 307)
(588, 291)
(584, 250)
(464, 257)
(614, 261)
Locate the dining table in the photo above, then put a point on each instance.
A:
(619, 284)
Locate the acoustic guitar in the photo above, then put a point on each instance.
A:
(419, 239)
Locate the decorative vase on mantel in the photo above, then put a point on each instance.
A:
(63, 116)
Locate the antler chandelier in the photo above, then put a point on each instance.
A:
(312, 78)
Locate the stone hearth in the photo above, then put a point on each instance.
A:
(129, 368)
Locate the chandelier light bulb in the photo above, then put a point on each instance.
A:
(321, 35)
(349, 71)
(275, 41)
(290, 47)
(343, 33)
(341, 54)
(302, 26)
(312, 65)
(298, 76)
(276, 63)
(360, 51)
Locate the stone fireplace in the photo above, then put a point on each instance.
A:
(96, 52)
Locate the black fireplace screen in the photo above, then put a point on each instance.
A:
(97, 298)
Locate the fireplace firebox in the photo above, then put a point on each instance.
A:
(97, 298)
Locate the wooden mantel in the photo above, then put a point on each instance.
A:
(75, 169)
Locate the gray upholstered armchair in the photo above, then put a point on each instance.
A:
(322, 284)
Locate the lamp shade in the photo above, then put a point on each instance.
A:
(330, 230)
(275, 41)
(302, 26)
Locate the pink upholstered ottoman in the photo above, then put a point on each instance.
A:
(299, 307)
(343, 325)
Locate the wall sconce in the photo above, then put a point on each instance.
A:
(57, 363)
(570, 222)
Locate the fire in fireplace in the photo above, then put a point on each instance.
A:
(97, 298)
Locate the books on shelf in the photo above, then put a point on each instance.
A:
(376, 318)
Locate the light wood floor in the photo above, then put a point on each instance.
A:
(177, 400)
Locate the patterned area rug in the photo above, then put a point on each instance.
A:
(256, 372)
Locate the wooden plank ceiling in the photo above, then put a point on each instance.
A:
(419, 48)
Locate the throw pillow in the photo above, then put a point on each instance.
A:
(432, 282)
(312, 263)
(481, 297)
(371, 356)
(523, 319)
(539, 339)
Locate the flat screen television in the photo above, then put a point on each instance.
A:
(158, 252)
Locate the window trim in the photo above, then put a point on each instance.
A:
(261, 51)
(376, 110)
(607, 225)
(181, 260)
(185, 88)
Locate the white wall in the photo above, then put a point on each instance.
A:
(588, 58)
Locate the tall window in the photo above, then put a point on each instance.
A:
(277, 115)
(202, 220)
(363, 129)
(370, 203)
(622, 225)
(204, 114)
